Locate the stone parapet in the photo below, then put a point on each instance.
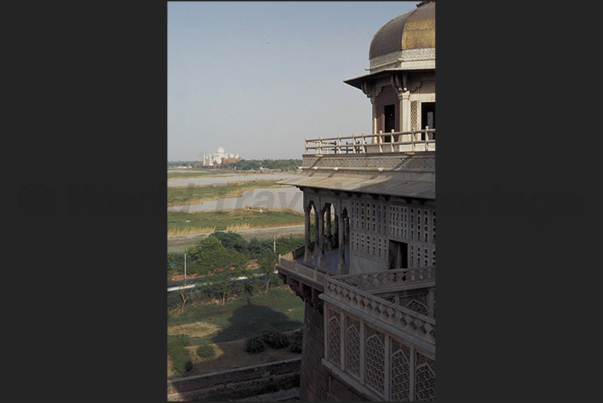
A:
(390, 280)
(403, 322)
(307, 283)
(424, 161)
(394, 142)
(377, 361)
(237, 383)
(358, 345)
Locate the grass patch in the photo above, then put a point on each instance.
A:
(186, 195)
(223, 220)
(280, 308)
(206, 351)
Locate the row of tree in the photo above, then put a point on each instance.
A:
(174, 164)
(282, 164)
(279, 164)
(223, 256)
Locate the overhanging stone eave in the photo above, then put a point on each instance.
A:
(404, 189)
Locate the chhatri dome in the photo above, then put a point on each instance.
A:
(401, 76)
(410, 31)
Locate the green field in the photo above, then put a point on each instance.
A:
(245, 316)
(240, 218)
(197, 194)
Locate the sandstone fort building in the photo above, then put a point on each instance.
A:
(367, 276)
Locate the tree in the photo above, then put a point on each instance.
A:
(210, 254)
(253, 282)
(267, 261)
(224, 281)
(220, 264)
(184, 296)
(232, 240)
(258, 247)
(287, 244)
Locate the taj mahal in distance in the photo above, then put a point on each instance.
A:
(218, 158)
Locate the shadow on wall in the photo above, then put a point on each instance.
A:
(250, 319)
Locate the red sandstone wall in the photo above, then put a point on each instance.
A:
(316, 382)
(312, 381)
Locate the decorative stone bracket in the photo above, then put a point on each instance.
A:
(303, 287)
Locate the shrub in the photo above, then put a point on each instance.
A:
(206, 351)
(274, 338)
(232, 240)
(181, 358)
(254, 345)
(297, 342)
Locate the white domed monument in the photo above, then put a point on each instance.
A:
(219, 157)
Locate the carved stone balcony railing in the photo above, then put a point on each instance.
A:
(308, 273)
(411, 141)
(390, 280)
(385, 350)
(381, 364)
(382, 313)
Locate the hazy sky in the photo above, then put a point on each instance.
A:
(259, 77)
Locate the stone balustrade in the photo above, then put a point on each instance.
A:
(384, 281)
(301, 270)
(380, 312)
(387, 351)
(411, 141)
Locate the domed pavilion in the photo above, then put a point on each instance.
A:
(401, 79)
(367, 269)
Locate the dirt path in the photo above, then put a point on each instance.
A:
(179, 243)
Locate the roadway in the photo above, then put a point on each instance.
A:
(197, 281)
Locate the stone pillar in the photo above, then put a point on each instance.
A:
(328, 236)
(346, 229)
(307, 251)
(430, 302)
(341, 266)
(404, 97)
(316, 232)
(336, 232)
(372, 92)
(375, 117)
(319, 246)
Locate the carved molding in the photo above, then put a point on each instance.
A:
(416, 161)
